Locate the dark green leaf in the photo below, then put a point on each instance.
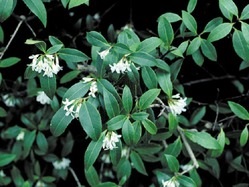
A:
(72, 55)
(149, 77)
(69, 76)
(240, 45)
(127, 99)
(3, 112)
(148, 98)
(220, 32)
(208, 50)
(189, 21)
(75, 3)
(172, 163)
(142, 59)
(96, 39)
(165, 31)
(197, 115)
(128, 132)
(164, 80)
(138, 163)
(149, 126)
(48, 85)
(6, 158)
(9, 62)
(5, 9)
(149, 44)
(239, 110)
(244, 136)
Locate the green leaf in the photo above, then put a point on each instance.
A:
(6, 158)
(41, 45)
(220, 32)
(127, 99)
(194, 45)
(75, 3)
(9, 62)
(245, 31)
(92, 152)
(239, 110)
(149, 44)
(244, 136)
(165, 31)
(172, 163)
(175, 68)
(149, 126)
(38, 9)
(5, 9)
(64, 3)
(42, 142)
(90, 120)
(198, 58)
(111, 104)
(69, 76)
(139, 116)
(55, 41)
(142, 59)
(148, 98)
(171, 17)
(72, 55)
(173, 122)
(221, 140)
(164, 80)
(96, 39)
(16, 176)
(29, 139)
(208, 50)
(54, 48)
(138, 163)
(149, 77)
(245, 13)
(203, 139)
(1, 34)
(128, 132)
(197, 115)
(213, 24)
(48, 85)
(174, 148)
(189, 21)
(229, 5)
(78, 90)
(129, 38)
(92, 176)
(191, 5)
(3, 112)
(240, 45)
(116, 122)
(60, 122)
(123, 168)
(186, 181)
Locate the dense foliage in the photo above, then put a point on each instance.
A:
(89, 99)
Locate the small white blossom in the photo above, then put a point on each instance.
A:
(93, 89)
(177, 104)
(171, 183)
(87, 79)
(48, 64)
(40, 184)
(104, 53)
(2, 174)
(62, 164)
(43, 98)
(121, 67)
(20, 136)
(110, 140)
(187, 167)
(106, 158)
(9, 100)
(72, 107)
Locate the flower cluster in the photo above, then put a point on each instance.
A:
(72, 107)
(171, 183)
(121, 67)
(48, 64)
(43, 98)
(61, 164)
(177, 104)
(110, 140)
(93, 87)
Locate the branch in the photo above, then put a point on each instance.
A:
(75, 177)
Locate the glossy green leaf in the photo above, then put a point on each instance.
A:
(173, 122)
(148, 98)
(65, 3)
(128, 37)
(138, 163)
(107, 184)
(55, 41)
(6, 158)
(60, 122)
(240, 45)
(191, 5)
(238, 110)
(186, 181)
(203, 139)
(38, 9)
(92, 176)
(48, 85)
(96, 39)
(198, 58)
(229, 5)
(5, 9)
(139, 116)
(69, 76)
(3, 112)
(220, 32)
(1, 34)
(92, 151)
(194, 45)
(54, 48)
(175, 68)
(123, 168)
(189, 21)
(78, 90)
(245, 13)
(150, 148)
(245, 31)
(208, 50)
(221, 140)
(116, 154)
(172, 163)
(197, 115)
(72, 55)
(128, 132)
(213, 24)
(127, 99)
(244, 136)
(9, 62)
(164, 80)
(41, 45)
(75, 3)
(42, 142)
(111, 104)
(142, 59)
(29, 139)
(174, 148)
(16, 176)
(165, 31)
(90, 120)
(149, 44)
(149, 126)
(116, 122)
(149, 77)
(171, 17)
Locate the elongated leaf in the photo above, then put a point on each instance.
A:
(221, 140)
(127, 99)
(148, 98)
(165, 31)
(92, 152)
(72, 55)
(128, 132)
(69, 76)
(64, 3)
(116, 122)
(239, 110)
(197, 115)
(213, 24)
(149, 44)
(208, 50)
(245, 31)
(175, 69)
(90, 120)
(138, 163)
(244, 136)
(1, 34)
(173, 122)
(96, 39)
(189, 21)
(6, 158)
(42, 142)
(75, 3)
(78, 90)
(38, 8)
(143, 59)
(149, 77)
(3, 112)
(172, 163)
(240, 45)
(186, 181)
(198, 58)
(149, 126)
(9, 62)
(139, 116)
(245, 13)
(220, 32)
(29, 139)
(5, 9)
(203, 139)
(230, 6)
(174, 148)
(111, 104)
(60, 122)
(54, 48)
(194, 45)
(191, 5)
(165, 83)
(92, 176)
(48, 85)
(171, 17)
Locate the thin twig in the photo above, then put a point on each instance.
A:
(75, 177)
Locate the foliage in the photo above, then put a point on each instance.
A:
(127, 96)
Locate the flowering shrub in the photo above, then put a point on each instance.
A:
(127, 92)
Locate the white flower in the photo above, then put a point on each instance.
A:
(43, 98)
(177, 104)
(72, 107)
(171, 183)
(187, 167)
(121, 67)
(62, 164)
(48, 64)
(2, 174)
(106, 158)
(104, 53)
(40, 184)
(110, 140)
(93, 89)
(20, 136)
(9, 100)
(87, 79)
